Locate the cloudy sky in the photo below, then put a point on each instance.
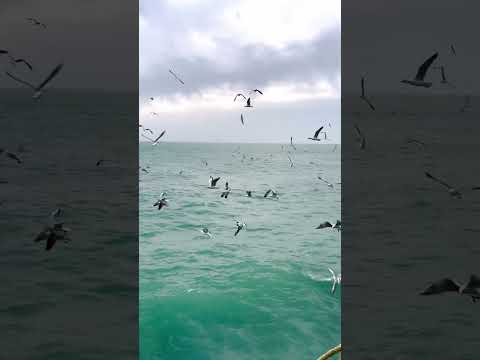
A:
(219, 48)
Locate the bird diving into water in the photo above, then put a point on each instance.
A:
(419, 79)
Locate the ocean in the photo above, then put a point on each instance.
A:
(79, 298)
(264, 294)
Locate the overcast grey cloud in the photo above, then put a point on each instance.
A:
(221, 48)
(97, 41)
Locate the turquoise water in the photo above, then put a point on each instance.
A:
(264, 294)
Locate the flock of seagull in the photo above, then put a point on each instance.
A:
(472, 287)
(54, 228)
(319, 135)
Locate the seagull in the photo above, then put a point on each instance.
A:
(363, 96)
(270, 191)
(53, 231)
(442, 72)
(327, 224)
(36, 22)
(205, 231)
(161, 203)
(151, 99)
(240, 226)
(325, 181)
(422, 71)
(17, 61)
(39, 88)
(212, 183)
(336, 280)
(239, 94)
(470, 288)
(360, 138)
(452, 49)
(453, 192)
(144, 170)
(249, 193)
(176, 77)
(155, 141)
(291, 143)
(248, 103)
(315, 136)
(205, 162)
(241, 119)
(11, 155)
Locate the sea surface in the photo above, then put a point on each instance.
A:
(80, 298)
(403, 231)
(264, 294)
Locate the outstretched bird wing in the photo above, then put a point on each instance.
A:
(160, 136)
(441, 286)
(25, 62)
(363, 87)
(422, 70)
(430, 176)
(214, 181)
(50, 76)
(317, 132)
(20, 80)
(238, 96)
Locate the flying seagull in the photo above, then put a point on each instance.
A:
(422, 71)
(470, 288)
(39, 88)
(53, 231)
(325, 181)
(270, 191)
(452, 49)
(239, 94)
(10, 155)
(17, 61)
(327, 224)
(36, 22)
(453, 192)
(336, 279)
(155, 141)
(248, 103)
(212, 183)
(161, 203)
(176, 77)
(363, 96)
(361, 138)
(240, 226)
(315, 136)
(444, 78)
(291, 143)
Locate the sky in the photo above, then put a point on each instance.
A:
(96, 40)
(221, 48)
(387, 43)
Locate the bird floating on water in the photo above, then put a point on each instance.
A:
(161, 203)
(205, 231)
